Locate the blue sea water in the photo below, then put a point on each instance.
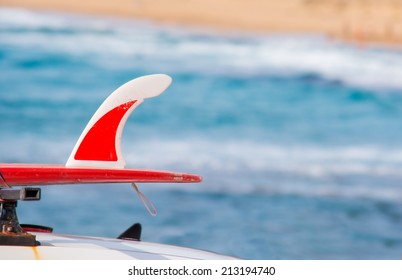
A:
(298, 138)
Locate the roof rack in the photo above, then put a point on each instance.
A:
(11, 232)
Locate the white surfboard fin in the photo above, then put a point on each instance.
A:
(100, 143)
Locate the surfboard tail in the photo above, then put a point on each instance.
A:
(100, 143)
(97, 156)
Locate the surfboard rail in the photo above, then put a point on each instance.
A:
(40, 175)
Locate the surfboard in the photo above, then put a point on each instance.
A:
(37, 175)
(97, 156)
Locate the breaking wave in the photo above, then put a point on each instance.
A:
(248, 167)
(171, 49)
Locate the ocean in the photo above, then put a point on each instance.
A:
(298, 137)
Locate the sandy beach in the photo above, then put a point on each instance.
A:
(359, 21)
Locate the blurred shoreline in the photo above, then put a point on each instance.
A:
(358, 21)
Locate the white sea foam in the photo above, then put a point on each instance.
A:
(226, 156)
(366, 172)
(248, 167)
(259, 157)
(114, 43)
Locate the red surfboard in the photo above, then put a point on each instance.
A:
(97, 156)
(37, 175)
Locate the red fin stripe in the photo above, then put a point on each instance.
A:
(99, 143)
